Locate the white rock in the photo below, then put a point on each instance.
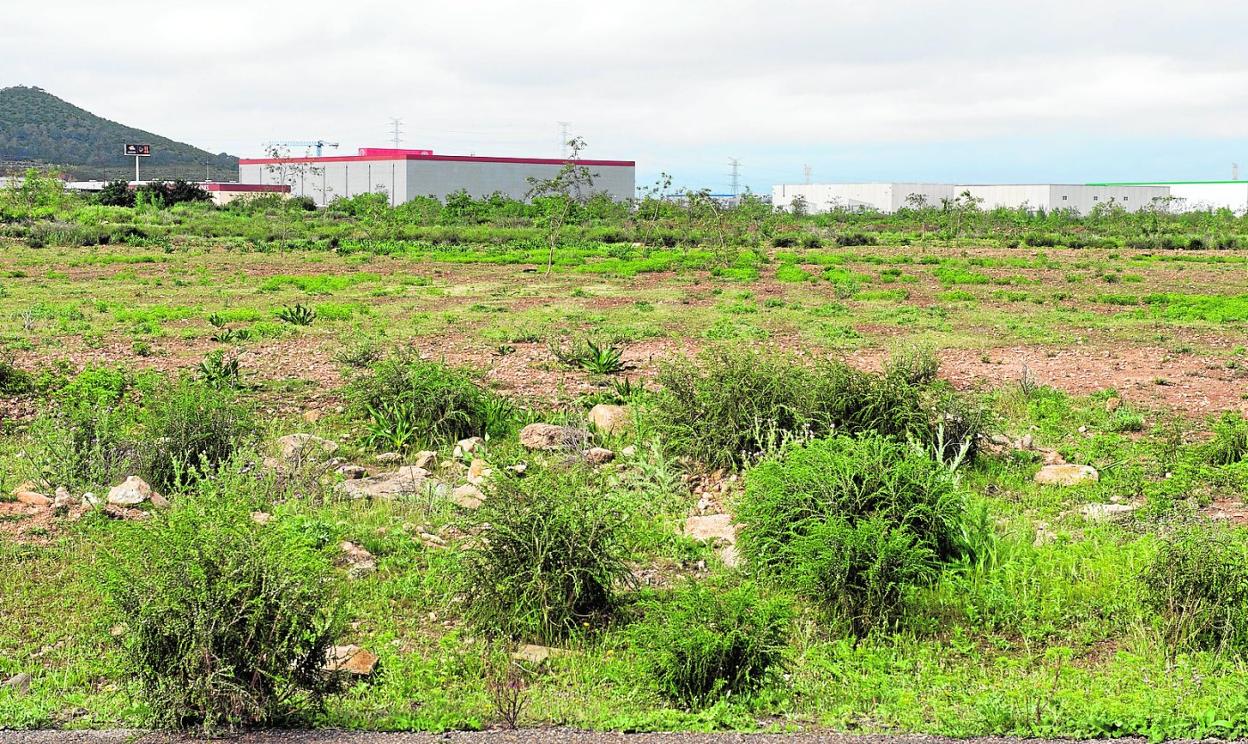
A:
(408, 479)
(1106, 512)
(426, 459)
(467, 446)
(712, 528)
(351, 660)
(19, 683)
(467, 496)
(131, 492)
(477, 472)
(33, 498)
(1066, 474)
(297, 447)
(629, 451)
(359, 561)
(552, 437)
(389, 457)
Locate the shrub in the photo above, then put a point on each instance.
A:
(703, 642)
(190, 429)
(300, 315)
(1198, 585)
(915, 365)
(552, 558)
(227, 622)
(14, 380)
(434, 402)
(1230, 440)
(851, 522)
(81, 440)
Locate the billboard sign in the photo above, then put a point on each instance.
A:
(138, 151)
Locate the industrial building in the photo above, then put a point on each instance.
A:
(1189, 196)
(404, 175)
(890, 197)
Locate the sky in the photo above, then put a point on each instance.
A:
(966, 91)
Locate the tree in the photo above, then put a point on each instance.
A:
(560, 194)
(115, 194)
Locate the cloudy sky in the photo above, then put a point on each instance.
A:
(1049, 90)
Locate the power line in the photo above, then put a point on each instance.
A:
(563, 138)
(395, 131)
(806, 171)
(736, 175)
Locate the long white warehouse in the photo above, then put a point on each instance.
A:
(890, 197)
(404, 175)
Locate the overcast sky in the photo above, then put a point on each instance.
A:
(1051, 90)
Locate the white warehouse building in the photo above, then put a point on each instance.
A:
(404, 175)
(890, 197)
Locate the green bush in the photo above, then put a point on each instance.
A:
(13, 380)
(1198, 586)
(915, 365)
(411, 402)
(227, 622)
(703, 642)
(552, 558)
(1230, 440)
(82, 438)
(852, 523)
(190, 429)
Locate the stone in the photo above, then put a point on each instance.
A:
(352, 472)
(1066, 474)
(1113, 404)
(408, 479)
(26, 487)
(552, 437)
(729, 555)
(19, 683)
(426, 459)
(131, 492)
(33, 498)
(91, 499)
(261, 518)
(350, 659)
(518, 468)
(712, 528)
(388, 458)
(63, 499)
(1106, 512)
(610, 419)
(599, 456)
(466, 447)
(1026, 443)
(467, 496)
(312, 415)
(1000, 439)
(360, 562)
(629, 451)
(298, 447)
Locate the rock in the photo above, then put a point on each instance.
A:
(1000, 439)
(1044, 535)
(467, 446)
(19, 683)
(351, 660)
(729, 555)
(426, 459)
(1106, 512)
(712, 528)
(599, 456)
(33, 498)
(537, 655)
(359, 561)
(1026, 443)
(519, 468)
(25, 487)
(629, 451)
(352, 472)
(431, 540)
(467, 496)
(610, 419)
(296, 448)
(1066, 474)
(1113, 404)
(389, 457)
(131, 492)
(312, 415)
(477, 472)
(408, 479)
(261, 518)
(552, 437)
(91, 499)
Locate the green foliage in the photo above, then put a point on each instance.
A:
(599, 359)
(1198, 585)
(914, 365)
(169, 193)
(417, 402)
(852, 523)
(115, 194)
(553, 558)
(701, 642)
(219, 371)
(226, 622)
(14, 380)
(300, 315)
(189, 430)
(1230, 440)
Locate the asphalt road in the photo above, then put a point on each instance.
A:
(527, 736)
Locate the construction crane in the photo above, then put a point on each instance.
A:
(318, 144)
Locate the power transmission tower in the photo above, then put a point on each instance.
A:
(396, 131)
(806, 171)
(736, 175)
(563, 137)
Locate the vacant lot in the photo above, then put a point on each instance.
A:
(787, 486)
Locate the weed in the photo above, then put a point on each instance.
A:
(218, 371)
(1198, 585)
(300, 315)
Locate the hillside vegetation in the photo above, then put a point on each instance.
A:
(38, 127)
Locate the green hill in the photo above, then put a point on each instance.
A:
(38, 128)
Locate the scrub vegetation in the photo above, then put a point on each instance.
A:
(717, 468)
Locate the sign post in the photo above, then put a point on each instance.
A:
(138, 151)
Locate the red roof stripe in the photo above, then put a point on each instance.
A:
(275, 188)
(450, 158)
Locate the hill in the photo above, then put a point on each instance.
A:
(36, 127)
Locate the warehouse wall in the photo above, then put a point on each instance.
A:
(326, 181)
(890, 197)
(1086, 198)
(440, 178)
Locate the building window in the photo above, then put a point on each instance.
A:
(1064, 197)
(1096, 198)
(1125, 198)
